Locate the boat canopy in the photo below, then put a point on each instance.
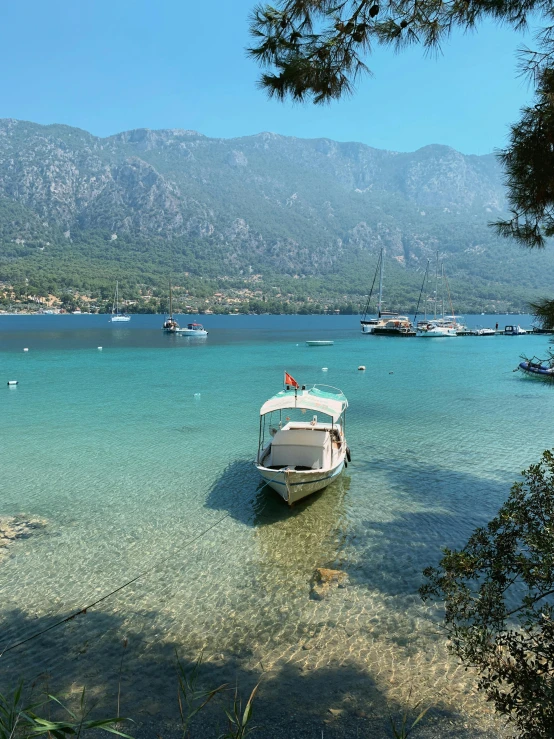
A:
(332, 402)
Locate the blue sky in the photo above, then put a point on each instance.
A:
(112, 66)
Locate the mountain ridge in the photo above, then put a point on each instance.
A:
(266, 204)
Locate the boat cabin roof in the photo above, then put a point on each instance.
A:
(322, 398)
(195, 325)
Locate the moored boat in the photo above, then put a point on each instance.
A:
(514, 331)
(320, 343)
(540, 369)
(192, 329)
(483, 332)
(170, 325)
(118, 317)
(395, 325)
(297, 458)
(439, 327)
(386, 323)
(435, 329)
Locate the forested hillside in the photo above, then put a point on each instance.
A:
(275, 217)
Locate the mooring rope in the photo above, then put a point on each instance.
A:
(83, 610)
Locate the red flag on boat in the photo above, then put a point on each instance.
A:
(289, 380)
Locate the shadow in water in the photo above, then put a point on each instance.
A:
(419, 510)
(294, 700)
(240, 491)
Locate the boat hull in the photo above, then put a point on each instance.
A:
(293, 485)
(392, 332)
(120, 319)
(537, 373)
(441, 334)
(190, 332)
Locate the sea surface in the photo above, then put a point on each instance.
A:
(138, 456)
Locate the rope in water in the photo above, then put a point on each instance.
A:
(113, 592)
(82, 611)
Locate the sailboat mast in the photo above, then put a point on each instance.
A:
(116, 297)
(381, 283)
(421, 293)
(170, 302)
(442, 289)
(436, 282)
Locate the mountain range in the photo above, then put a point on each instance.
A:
(294, 216)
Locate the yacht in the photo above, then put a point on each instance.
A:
(438, 326)
(435, 329)
(386, 323)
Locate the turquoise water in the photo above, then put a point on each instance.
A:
(132, 451)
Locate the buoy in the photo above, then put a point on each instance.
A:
(196, 395)
(361, 367)
(99, 348)
(12, 382)
(25, 350)
(391, 373)
(324, 369)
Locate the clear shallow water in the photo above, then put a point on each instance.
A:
(115, 449)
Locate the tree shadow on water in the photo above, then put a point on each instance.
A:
(107, 653)
(418, 510)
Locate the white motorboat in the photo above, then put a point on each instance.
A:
(118, 317)
(483, 332)
(192, 329)
(514, 331)
(297, 458)
(319, 343)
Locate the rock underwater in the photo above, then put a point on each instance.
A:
(17, 527)
(324, 581)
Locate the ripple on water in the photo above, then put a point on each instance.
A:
(127, 472)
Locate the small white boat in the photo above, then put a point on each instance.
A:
(192, 329)
(483, 332)
(118, 317)
(320, 343)
(298, 458)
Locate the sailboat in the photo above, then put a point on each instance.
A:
(170, 324)
(118, 317)
(386, 323)
(439, 327)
